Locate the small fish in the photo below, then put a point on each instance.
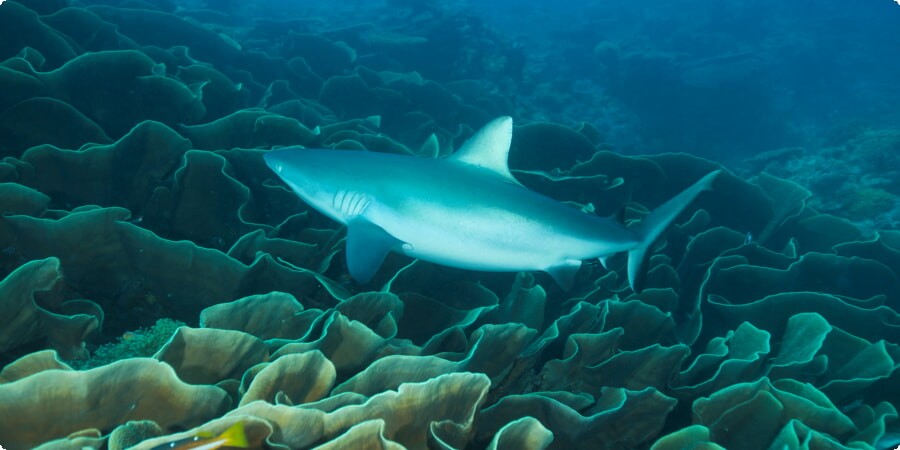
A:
(232, 437)
(131, 335)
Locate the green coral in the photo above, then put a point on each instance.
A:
(870, 202)
(144, 342)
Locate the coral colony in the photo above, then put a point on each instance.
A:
(225, 224)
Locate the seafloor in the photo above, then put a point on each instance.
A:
(159, 281)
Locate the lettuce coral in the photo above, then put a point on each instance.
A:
(766, 323)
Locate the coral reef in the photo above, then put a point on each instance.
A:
(142, 343)
(766, 322)
(853, 174)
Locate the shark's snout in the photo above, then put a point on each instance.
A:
(274, 161)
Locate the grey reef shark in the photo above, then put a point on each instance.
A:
(466, 210)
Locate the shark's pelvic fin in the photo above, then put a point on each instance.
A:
(564, 273)
(489, 148)
(367, 246)
(656, 222)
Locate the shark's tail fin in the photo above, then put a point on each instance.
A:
(656, 222)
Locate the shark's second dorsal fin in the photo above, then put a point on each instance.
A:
(489, 148)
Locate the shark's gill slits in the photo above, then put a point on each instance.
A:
(338, 199)
(350, 203)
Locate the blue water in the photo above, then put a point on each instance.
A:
(723, 79)
(134, 200)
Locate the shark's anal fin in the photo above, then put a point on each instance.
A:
(367, 246)
(564, 273)
(604, 262)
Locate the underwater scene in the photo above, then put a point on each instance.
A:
(424, 224)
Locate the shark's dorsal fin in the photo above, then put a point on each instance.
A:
(489, 148)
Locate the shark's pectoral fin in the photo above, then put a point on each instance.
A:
(367, 246)
(564, 273)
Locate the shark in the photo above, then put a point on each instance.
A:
(466, 210)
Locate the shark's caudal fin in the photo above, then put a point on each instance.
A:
(656, 222)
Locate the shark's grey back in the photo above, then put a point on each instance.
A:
(465, 211)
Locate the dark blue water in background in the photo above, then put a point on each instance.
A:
(723, 79)
(133, 191)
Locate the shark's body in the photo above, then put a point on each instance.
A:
(464, 211)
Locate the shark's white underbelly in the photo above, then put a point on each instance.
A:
(483, 240)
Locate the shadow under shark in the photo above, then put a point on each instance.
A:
(465, 211)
